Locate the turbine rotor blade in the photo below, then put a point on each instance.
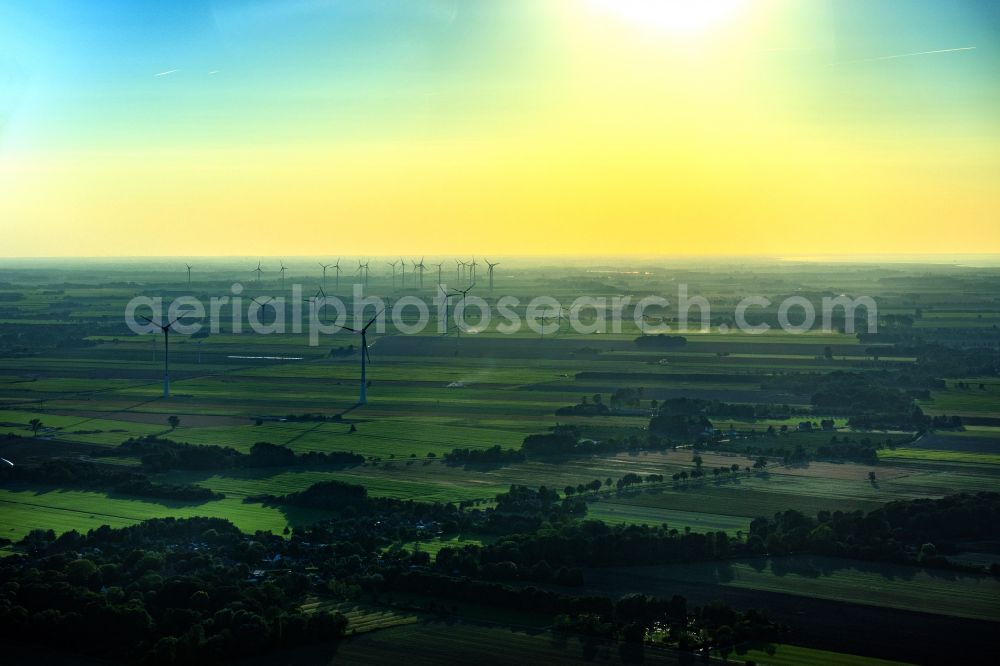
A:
(372, 321)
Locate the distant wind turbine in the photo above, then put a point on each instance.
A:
(393, 264)
(445, 295)
(420, 268)
(166, 353)
(282, 271)
(189, 273)
(365, 357)
(320, 294)
(489, 271)
(257, 270)
(463, 293)
(336, 267)
(559, 315)
(324, 267)
(363, 271)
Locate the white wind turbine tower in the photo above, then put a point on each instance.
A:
(336, 267)
(166, 353)
(463, 293)
(402, 269)
(282, 271)
(445, 296)
(558, 314)
(324, 267)
(420, 268)
(439, 270)
(189, 273)
(393, 264)
(489, 270)
(365, 358)
(257, 270)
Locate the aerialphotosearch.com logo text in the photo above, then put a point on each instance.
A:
(323, 315)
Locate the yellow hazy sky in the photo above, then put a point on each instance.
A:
(246, 127)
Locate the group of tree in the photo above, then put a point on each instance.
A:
(101, 476)
(148, 594)
(494, 455)
(158, 454)
(896, 532)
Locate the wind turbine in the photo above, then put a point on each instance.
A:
(489, 270)
(446, 296)
(559, 315)
(337, 267)
(439, 270)
(393, 264)
(472, 270)
(166, 353)
(402, 267)
(365, 358)
(464, 293)
(421, 268)
(458, 266)
(282, 271)
(324, 267)
(318, 295)
(257, 270)
(189, 273)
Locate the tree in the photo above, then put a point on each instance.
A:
(79, 571)
(36, 425)
(724, 640)
(174, 421)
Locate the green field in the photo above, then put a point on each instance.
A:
(793, 655)
(882, 585)
(430, 394)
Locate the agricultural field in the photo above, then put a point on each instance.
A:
(882, 585)
(76, 383)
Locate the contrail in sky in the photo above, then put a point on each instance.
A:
(169, 71)
(904, 55)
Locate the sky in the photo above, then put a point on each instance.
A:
(380, 127)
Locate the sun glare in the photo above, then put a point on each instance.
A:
(677, 16)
